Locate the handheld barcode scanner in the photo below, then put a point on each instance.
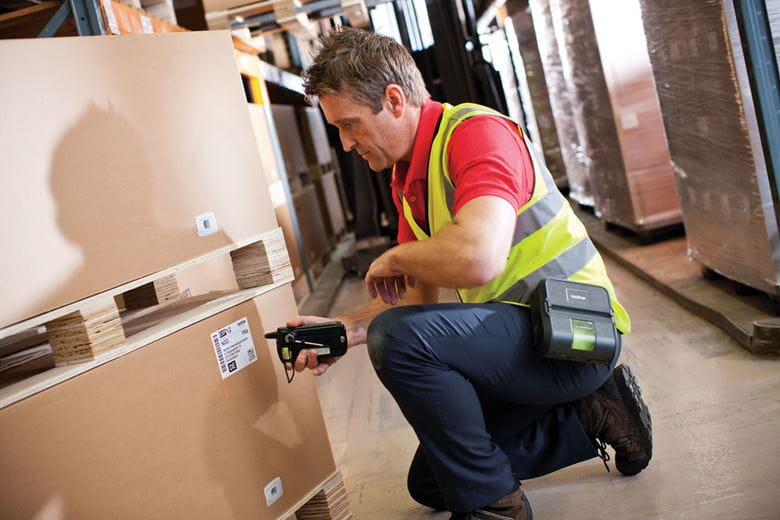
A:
(327, 339)
(573, 321)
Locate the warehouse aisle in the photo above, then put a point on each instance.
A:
(716, 414)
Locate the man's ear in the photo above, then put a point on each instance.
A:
(395, 100)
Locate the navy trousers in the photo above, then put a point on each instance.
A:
(487, 410)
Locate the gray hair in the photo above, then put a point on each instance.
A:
(363, 64)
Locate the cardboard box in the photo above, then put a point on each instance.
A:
(121, 162)
(315, 137)
(159, 434)
(291, 144)
(163, 10)
(310, 221)
(333, 202)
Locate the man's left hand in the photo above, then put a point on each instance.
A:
(386, 281)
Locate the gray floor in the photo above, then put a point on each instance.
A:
(716, 414)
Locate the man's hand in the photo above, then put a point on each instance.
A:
(308, 358)
(386, 281)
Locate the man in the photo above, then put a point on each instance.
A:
(480, 215)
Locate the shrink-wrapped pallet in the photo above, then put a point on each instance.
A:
(592, 110)
(773, 11)
(536, 97)
(652, 201)
(713, 137)
(560, 103)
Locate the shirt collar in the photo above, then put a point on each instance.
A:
(406, 172)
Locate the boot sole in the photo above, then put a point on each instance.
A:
(497, 516)
(632, 396)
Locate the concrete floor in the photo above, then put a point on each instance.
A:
(716, 417)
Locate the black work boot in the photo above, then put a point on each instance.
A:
(615, 414)
(514, 506)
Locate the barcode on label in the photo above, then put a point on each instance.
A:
(220, 354)
(251, 355)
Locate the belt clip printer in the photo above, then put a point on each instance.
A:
(573, 321)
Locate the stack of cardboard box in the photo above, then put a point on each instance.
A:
(135, 175)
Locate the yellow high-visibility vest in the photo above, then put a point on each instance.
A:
(549, 240)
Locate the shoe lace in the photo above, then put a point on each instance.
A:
(601, 448)
(599, 444)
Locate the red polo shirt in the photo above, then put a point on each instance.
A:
(487, 156)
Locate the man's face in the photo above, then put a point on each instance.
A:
(376, 137)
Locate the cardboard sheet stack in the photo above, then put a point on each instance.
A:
(713, 137)
(191, 415)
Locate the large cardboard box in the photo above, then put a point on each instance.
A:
(158, 434)
(111, 147)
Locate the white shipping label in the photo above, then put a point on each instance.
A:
(112, 23)
(629, 121)
(146, 24)
(234, 347)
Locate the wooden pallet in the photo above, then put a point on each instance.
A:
(748, 318)
(327, 502)
(648, 233)
(89, 332)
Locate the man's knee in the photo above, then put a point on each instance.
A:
(389, 335)
(427, 496)
(423, 487)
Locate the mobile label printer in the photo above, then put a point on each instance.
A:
(573, 321)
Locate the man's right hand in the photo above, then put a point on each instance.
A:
(308, 358)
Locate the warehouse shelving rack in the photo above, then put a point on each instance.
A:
(753, 17)
(86, 14)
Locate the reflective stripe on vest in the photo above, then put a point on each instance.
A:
(549, 240)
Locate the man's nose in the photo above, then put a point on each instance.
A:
(347, 142)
